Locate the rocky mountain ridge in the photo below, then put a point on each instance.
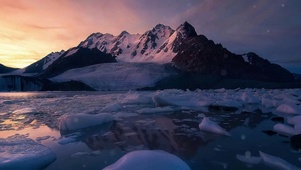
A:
(189, 57)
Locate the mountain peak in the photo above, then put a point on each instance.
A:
(187, 30)
(123, 33)
(160, 26)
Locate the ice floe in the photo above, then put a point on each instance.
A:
(249, 98)
(135, 98)
(289, 108)
(210, 126)
(249, 159)
(294, 120)
(285, 129)
(277, 162)
(24, 111)
(148, 160)
(180, 98)
(113, 107)
(162, 110)
(21, 153)
(82, 120)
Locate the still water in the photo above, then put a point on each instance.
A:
(177, 132)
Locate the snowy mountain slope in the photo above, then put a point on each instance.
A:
(76, 58)
(44, 63)
(117, 76)
(159, 44)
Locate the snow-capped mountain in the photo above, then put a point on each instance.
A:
(159, 44)
(158, 58)
(44, 63)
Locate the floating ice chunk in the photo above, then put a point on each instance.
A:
(148, 160)
(249, 98)
(249, 159)
(277, 162)
(269, 102)
(284, 129)
(156, 110)
(228, 103)
(82, 120)
(294, 120)
(289, 108)
(24, 111)
(136, 98)
(114, 107)
(210, 126)
(21, 153)
(179, 98)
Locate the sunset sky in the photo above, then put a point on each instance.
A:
(30, 29)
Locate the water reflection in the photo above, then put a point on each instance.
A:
(173, 133)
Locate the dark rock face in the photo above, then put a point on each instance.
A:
(81, 58)
(203, 56)
(184, 31)
(4, 69)
(262, 69)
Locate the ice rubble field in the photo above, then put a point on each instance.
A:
(71, 112)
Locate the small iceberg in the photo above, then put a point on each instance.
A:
(148, 160)
(21, 153)
(82, 120)
(285, 129)
(277, 162)
(294, 120)
(289, 108)
(249, 159)
(210, 126)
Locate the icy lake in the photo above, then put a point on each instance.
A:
(207, 129)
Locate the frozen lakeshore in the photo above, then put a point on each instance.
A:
(203, 129)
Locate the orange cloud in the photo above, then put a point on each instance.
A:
(32, 29)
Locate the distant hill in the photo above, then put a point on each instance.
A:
(4, 69)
